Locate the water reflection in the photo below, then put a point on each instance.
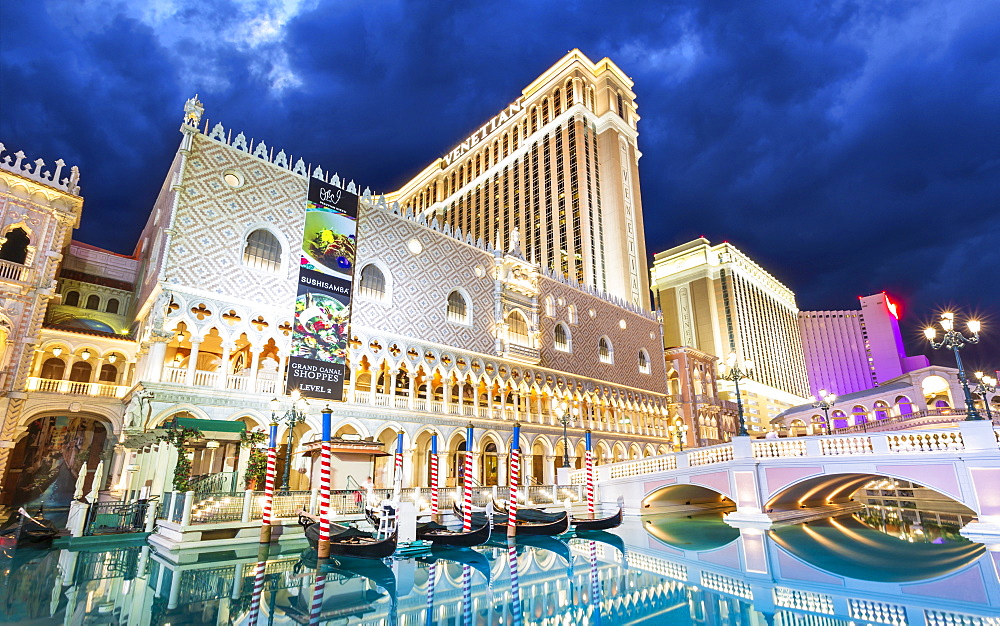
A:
(682, 571)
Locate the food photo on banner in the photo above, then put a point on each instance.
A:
(316, 365)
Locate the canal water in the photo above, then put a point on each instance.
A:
(869, 567)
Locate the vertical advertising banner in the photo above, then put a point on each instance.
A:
(323, 302)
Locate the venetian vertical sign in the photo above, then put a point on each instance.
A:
(316, 365)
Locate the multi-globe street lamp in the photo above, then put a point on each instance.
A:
(955, 340)
(825, 400)
(292, 417)
(566, 415)
(678, 432)
(735, 370)
(987, 384)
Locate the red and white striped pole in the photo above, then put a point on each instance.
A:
(258, 585)
(515, 587)
(323, 548)
(316, 610)
(272, 463)
(589, 460)
(434, 474)
(431, 580)
(467, 595)
(467, 483)
(595, 584)
(397, 475)
(515, 477)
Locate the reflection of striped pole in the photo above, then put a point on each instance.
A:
(589, 458)
(434, 474)
(431, 580)
(397, 476)
(467, 595)
(515, 587)
(323, 549)
(467, 483)
(272, 461)
(515, 477)
(258, 589)
(317, 604)
(595, 583)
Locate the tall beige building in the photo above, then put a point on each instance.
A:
(717, 300)
(559, 165)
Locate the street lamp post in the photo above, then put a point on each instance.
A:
(293, 416)
(678, 433)
(566, 415)
(735, 370)
(987, 384)
(955, 340)
(825, 400)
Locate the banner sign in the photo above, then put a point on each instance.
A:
(323, 301)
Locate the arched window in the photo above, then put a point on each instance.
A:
(550, 306)
(517, 328)
(860, 415)
(458, 310)
(81, 372)
(15, 246)
(562, 337)
(839, 419)
(571, 314)
(109, 374)
(112, 306)
(372, 283)
(94, 302)
(881, 410)
(53, 369)
(643, 362)
(72, 298)
(262, 251)
(903, 406)
(605, 351)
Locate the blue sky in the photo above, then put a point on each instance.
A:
(850, 147)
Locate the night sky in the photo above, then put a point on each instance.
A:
(848, 147)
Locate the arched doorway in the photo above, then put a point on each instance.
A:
(46, 462)
(490, 465)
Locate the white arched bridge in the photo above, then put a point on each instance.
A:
(773, 479)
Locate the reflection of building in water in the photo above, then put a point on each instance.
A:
(901, 507)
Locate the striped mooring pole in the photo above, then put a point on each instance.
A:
(515, 476)
(434, 474)
(272, 462)
(323, 548)
(589, 459)
(467, 482)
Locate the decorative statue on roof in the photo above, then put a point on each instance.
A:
(193, 109)
(515, 244)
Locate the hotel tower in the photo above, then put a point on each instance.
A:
(560, 166)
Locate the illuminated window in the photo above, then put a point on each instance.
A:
(458, 309)
(372, 283)
(562, 338)
(262, 251)
(605, 351)
(517, 328)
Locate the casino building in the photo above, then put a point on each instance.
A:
(506, 283)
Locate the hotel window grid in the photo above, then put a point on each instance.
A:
(604, 351)
(458, 309)
(372, 283)
(262, 251)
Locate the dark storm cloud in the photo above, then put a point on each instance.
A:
(850, 147)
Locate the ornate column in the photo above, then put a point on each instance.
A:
(411, 392)
(192, 361)
(502, 469)
(255, 352)
(446, 396)
(223, 380)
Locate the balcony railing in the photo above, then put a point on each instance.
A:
(15, 272)
(105, 390)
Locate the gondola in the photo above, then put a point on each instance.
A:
(350, 542)
(21, 529)
(523, 527)
(442, 535)
(373, 569)
(584, 524)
